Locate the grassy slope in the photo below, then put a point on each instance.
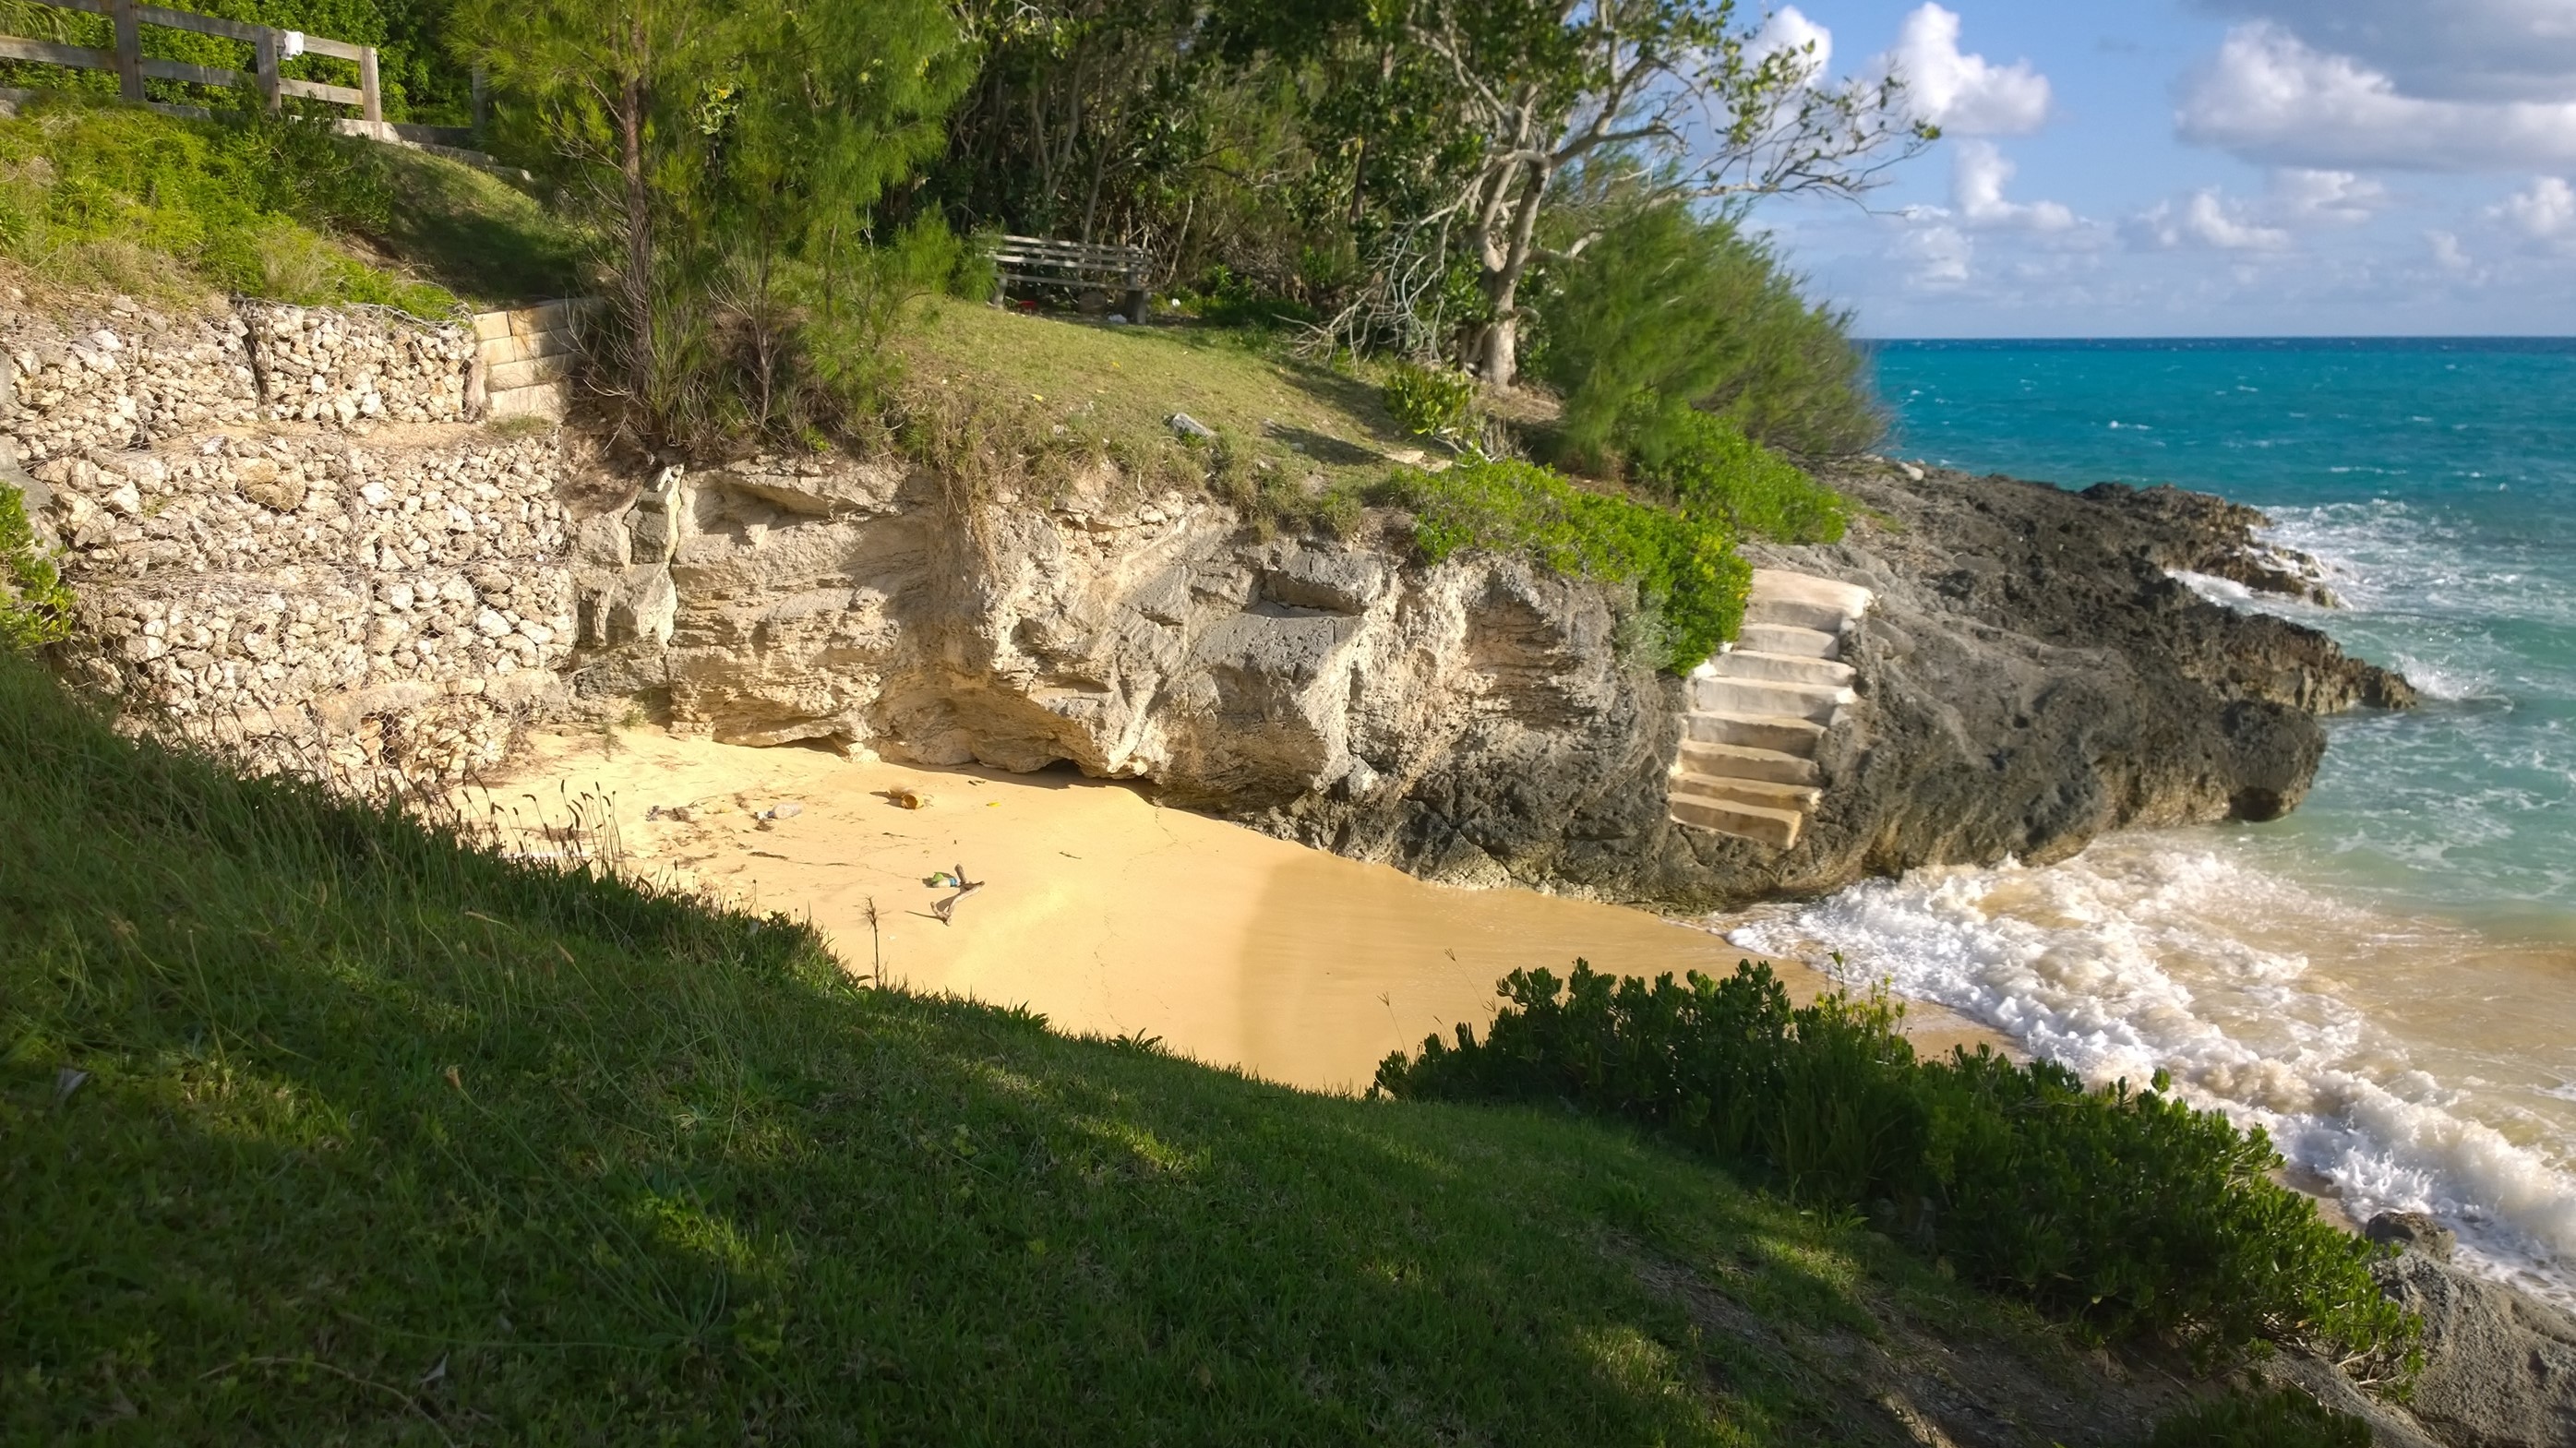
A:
(105, 197)
(388, 1140)
(1323, 428)
(482, 238)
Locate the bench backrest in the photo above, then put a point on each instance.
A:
(1071, 255)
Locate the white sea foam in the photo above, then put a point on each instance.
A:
(2136, 956)
(2442, 679)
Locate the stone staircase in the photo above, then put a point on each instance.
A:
(1758, 710)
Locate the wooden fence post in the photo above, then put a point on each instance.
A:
(268, 71)
(372, 100)
(129, 48)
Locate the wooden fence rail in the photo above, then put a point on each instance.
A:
(270, 45)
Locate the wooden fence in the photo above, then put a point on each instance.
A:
(272, 46)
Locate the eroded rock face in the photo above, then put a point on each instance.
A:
(2031, 678)
(1306, 683)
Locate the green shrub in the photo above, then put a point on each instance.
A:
(102, 195)
(1430, 401)
(2124, 1212)
(2281, 1419)
(35, 607)
(1686, 310)
(1690, 583)
(1709, 468)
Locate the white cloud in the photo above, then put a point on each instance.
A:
(1940, 253)
(2270, 96)
(2302, 197)
(2206, 219)
(1788, 30)
(2546, 213)
(1967, 95)
(1979, 172)
(2466, 50)
(2447, 252)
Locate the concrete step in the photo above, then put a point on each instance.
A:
(1796, 613)
(1755, 696)
(1781, 638)
(1775, 827)
(1796, 737)
(1734, 761)
(1849, 599)
(1800, 797)
(1780, 668)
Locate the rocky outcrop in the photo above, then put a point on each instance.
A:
(2030, 677)
(1136, 637)
(2499, 1366)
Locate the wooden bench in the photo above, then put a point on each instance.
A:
(1041, 262)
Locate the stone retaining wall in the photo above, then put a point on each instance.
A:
(121, 377)
(318, 364)
(303, 587)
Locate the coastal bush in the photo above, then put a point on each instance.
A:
(2124, 1212)
(1690, 583)
(2283, 1418)
(1667, 312)
(1431, 402)
(35, 605)
(1709, 468)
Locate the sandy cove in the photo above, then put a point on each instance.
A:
(1104, 911)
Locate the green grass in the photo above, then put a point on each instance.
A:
(476, 235)
(317, 1125)
(104, 197)
(2281, 1419)
(1296, 428)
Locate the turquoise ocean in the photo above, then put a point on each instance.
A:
(2386, 979)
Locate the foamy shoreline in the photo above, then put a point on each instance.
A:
(2400, 1064)
(1103, 911)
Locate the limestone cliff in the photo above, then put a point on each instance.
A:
(2031, 677)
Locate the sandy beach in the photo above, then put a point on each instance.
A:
(1098, 908)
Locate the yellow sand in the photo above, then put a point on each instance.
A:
(1100, 909)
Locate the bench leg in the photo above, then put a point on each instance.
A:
(1138, 302)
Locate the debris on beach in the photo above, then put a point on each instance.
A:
(951, 879)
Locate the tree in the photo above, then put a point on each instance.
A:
(1529, 92)
(594, 82)
(731, 151)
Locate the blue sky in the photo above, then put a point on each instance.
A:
(2207, 168)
